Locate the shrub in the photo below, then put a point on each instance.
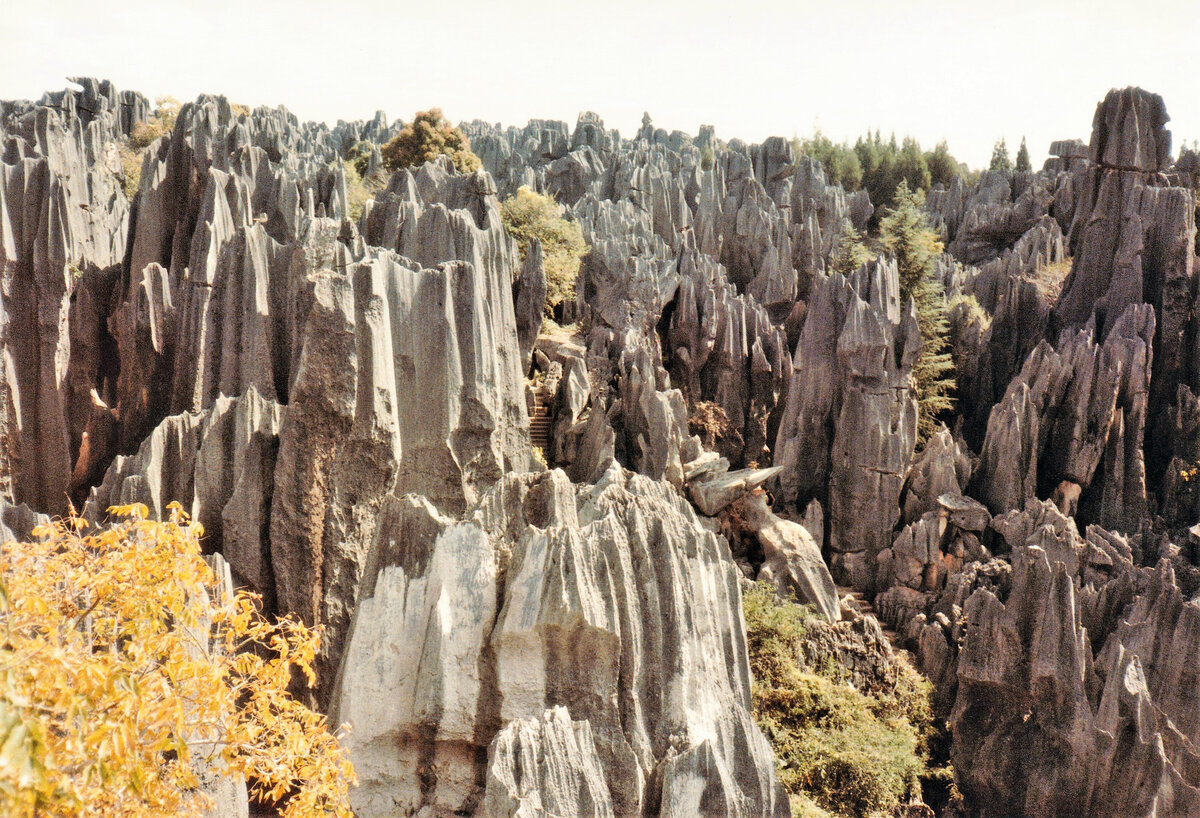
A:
(124, 677)
(359, 155)
(530, 215)
(906, 233)
(357, 191)
(131, 171)
(428, 136)
(1049, 279)
(160, 123)
(850, 753)
(708, 158)
(975, 311)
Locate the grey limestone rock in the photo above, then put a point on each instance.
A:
(553, 595)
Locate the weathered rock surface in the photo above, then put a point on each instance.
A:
(610, 601)
(849, 426)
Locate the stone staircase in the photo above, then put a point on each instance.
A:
(865, 608)
(539, 422)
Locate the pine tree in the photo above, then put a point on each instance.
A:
(851, 252)
(1000, 161)
(905, 232)
(1023, 165)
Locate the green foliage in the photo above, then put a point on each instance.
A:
(905, 232)
(943, 168)
(359, 155)
(851, 252)
(879, 166)
(160, 123)
(1000, 161)
(840, 751)
(839, 161)
(358, 191)
(976, 314)
(427, 137)
(131, 170)
(530, 215)
(1023, 164)
(707, 158)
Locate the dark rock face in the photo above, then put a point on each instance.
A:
(849, 425)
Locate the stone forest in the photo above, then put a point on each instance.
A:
(696, 533)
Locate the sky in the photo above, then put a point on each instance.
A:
(968, 72)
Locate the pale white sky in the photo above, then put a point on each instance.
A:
(964, 70)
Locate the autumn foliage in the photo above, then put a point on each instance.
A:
(127, 679)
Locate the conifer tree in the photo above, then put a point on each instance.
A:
(1023, 165)
(851, 252)
(1001, 163)
(905, 232)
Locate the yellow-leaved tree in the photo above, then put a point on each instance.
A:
(127, 677)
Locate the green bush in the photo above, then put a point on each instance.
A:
(839, 749)
(131, 171)
(530, 215)
(160, 123)
(427, 137)
(358, 191)
(839, 161)
(708, 158)
(359, 155)
(906, 233)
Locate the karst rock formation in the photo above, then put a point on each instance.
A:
(346, 406)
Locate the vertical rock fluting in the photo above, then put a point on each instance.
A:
(554, 597)
(849, 425)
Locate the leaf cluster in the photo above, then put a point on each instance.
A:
(1000, 162)
(126, 677)
(529, 215)
(839, 750)
(144, 134)
(905, 232)
(424, 139)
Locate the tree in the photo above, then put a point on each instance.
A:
(905, 232)
(838, 160)
(1000, 162)
(911, 165)
(125, 676)
(1023, 165)
(530, 215)
(943, 168)
(359, 155)
(851, 252)
(427, 137)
